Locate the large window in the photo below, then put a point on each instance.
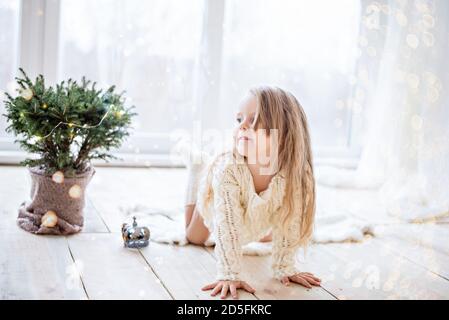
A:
(9, 24)
(188, 62)
(147, 47)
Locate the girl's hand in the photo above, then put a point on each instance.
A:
(305, 279)
(228, 286)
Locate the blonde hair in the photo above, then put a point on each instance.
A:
(279, 109)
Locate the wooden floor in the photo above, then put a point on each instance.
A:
(403, 262)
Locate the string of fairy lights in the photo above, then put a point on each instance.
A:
(27, 94)
(71, 124)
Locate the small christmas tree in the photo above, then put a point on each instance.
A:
(66, 126)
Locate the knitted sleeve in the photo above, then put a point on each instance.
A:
(228, 215)
(284, 250)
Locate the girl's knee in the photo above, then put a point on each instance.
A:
(195, 237)
(197, 233)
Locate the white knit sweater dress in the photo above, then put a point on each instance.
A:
(236, 215)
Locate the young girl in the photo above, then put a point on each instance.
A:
(265, 184)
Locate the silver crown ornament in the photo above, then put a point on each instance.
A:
(134, 236)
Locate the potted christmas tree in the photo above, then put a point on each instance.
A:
(64, 127)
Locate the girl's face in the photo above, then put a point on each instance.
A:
(250, 143)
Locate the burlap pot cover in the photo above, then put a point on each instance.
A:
(64, 198)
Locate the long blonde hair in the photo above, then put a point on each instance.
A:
(279, 109)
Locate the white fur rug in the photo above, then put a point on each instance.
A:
(340, 226)
(167, 226)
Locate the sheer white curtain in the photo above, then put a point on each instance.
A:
(307, 47)
(9, 24)
(405, 74)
